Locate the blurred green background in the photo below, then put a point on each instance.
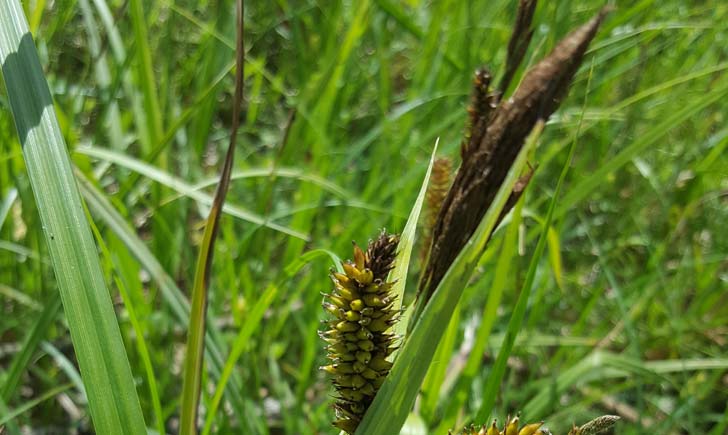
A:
(629, 311)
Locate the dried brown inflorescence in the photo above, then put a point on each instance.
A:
(518, 44)
(487, 162)
(359, 338)
(482, 103)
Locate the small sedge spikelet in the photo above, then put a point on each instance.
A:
(513, 427)
(482, 103)
(596, 426)
(358, 338)
(436, 192)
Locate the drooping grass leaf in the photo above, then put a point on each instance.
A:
(182, 187)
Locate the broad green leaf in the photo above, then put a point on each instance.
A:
(97, 342)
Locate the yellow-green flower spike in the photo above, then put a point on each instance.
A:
(512, 427)
(359, 338)
(597, 426)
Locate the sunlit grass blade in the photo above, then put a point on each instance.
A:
(141, 342)
(99, 349)
(394, 401)
(404, 252)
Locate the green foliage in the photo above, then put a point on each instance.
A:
(93, 327)
(627, 308)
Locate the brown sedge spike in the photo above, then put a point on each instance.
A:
(482, 103)
(486, 164)
(359, 338)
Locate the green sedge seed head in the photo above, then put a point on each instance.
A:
(512, 426)
(358, 338)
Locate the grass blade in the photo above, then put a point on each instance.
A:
(519, 312)
(406, 243)
(7, 416)
(35, 335)
(141, 343)
(145, 73)
(97, 342)
(252, 322)
(214, 346)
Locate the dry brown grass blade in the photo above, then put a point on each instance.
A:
(485, 167)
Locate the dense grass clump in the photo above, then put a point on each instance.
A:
(625, 313)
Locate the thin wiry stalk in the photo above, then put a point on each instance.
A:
(198, 314)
